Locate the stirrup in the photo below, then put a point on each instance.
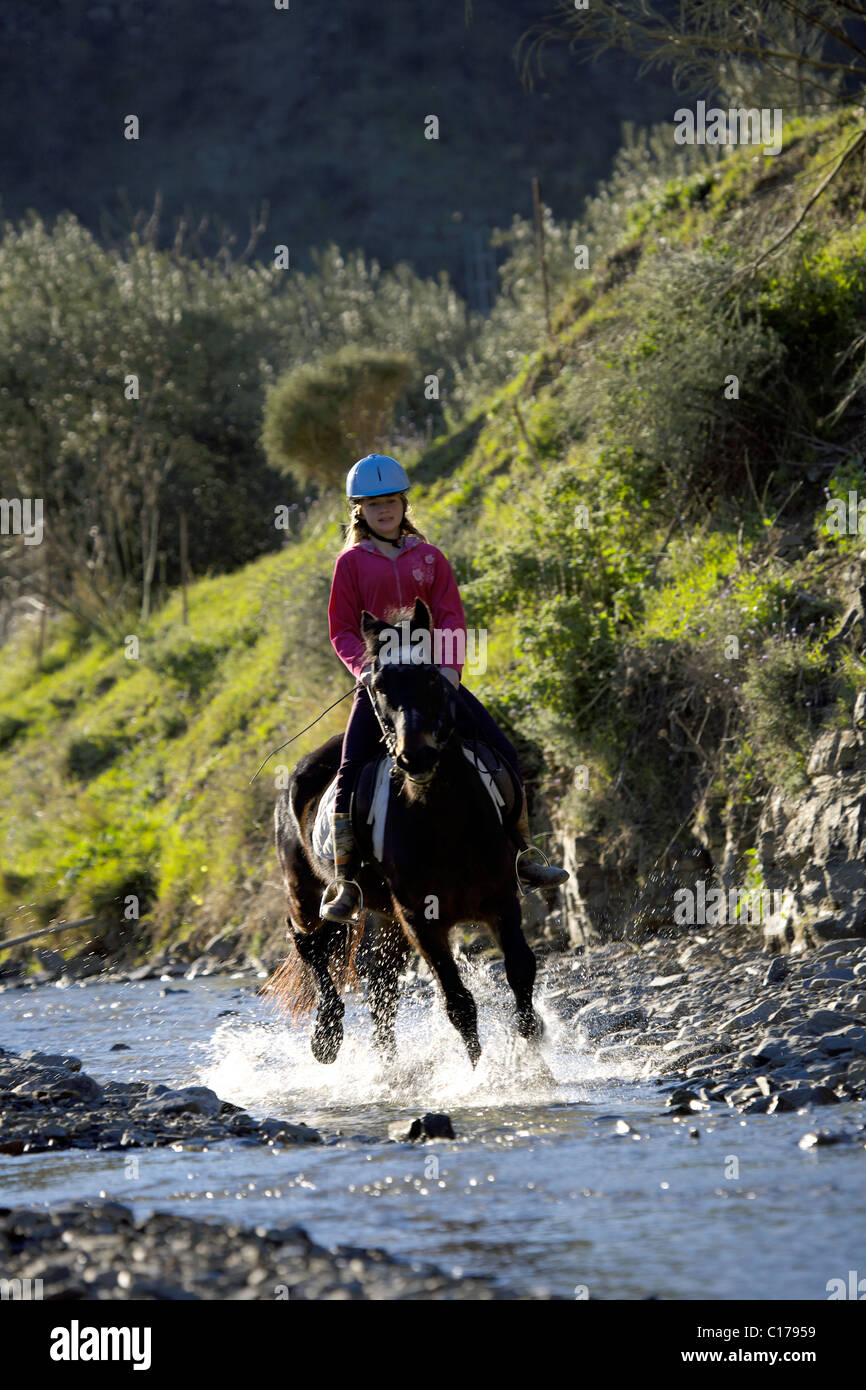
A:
(345, 881)
(533, 887)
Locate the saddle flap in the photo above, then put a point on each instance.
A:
(498, 776)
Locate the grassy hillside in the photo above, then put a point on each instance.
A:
(650, 558)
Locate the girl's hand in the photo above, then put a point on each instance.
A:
(367, 674)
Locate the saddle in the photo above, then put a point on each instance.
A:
(372, 792)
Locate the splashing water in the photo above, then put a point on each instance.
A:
(264, 1065)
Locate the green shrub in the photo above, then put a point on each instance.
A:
(86, 757)
(10, 728)
(785, 694)
(189, 661)
(319, 418)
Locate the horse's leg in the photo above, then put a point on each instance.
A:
(314, 948)
(432, 941)
(384, 959)
(519, 968)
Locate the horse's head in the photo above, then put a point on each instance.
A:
(411, 697)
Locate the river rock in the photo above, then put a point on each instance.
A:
(595, 1020)
(772, 1050)
(800, 1096)
(283, 1132)
(759, 1013)
(209, 1102)
(776, 971)
(851, 1039)
(430, 1126)
(855, 1077)
(52, 1059)
(56, 1083)
(758, 1105)
(826, 1021)
(83, 1253)
(175, 1103)
(817, 1138)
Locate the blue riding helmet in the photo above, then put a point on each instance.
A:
(375, 476)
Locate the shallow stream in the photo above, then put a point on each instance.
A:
(543, 1190)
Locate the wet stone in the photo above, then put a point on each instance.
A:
(52, 1059)
(801, 1096)
(430, 1126)
(822, 1138)
(758, 1105)
(776, 971)
(282, 1132)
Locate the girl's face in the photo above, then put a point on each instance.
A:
(384, 514)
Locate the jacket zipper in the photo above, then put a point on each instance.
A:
(396, 564)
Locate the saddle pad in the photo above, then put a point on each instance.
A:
(323, 835)
(323, 831)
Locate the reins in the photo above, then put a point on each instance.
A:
(388, 735)
(302, 731)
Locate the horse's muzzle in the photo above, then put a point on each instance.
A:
(418, 765)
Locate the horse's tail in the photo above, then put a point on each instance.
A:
(292, 986)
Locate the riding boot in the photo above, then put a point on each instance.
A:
(347, 904)
(530, 874)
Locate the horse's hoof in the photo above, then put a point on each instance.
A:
(531, 1028)
(325, 1042)
(387, 1050)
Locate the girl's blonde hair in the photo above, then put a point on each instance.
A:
(358, 530)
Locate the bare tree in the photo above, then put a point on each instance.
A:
(807, 55)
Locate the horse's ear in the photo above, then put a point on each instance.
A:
(369, 624)
(421, 616)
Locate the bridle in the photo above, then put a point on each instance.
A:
(441, 732)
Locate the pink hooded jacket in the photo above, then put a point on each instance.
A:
(365, 578)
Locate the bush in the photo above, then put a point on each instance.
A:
(10, 728)
(785, 695)
(87, 757)
(189, 661)
(659, 387)
(320, 418)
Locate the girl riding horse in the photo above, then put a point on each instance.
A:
(384, 566)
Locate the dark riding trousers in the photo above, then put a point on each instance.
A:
(362, 740)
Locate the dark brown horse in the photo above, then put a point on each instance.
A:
(446, 860)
